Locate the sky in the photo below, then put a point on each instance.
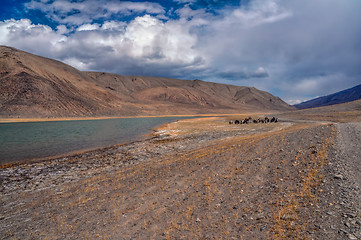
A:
(296, 50)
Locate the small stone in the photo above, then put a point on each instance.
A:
(350, 215)
(338, 176)
(287, 217)
(198, 220)
(343, 231)
(351, 236)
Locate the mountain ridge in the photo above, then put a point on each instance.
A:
(344, 96)
(34, 86)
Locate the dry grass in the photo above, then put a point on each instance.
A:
(288, 223)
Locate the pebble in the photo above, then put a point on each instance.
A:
(338, 176)
(343, 231)
(330, 213)
(351, 236)
(260, 216)
(350, 215)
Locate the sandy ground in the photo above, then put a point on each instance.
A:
(199, 179)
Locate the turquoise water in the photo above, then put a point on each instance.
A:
(24, 141)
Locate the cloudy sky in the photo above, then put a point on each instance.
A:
(294, 49)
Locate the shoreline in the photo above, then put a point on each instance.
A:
(23, 119)
(140, 138)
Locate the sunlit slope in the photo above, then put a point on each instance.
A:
(34, 86)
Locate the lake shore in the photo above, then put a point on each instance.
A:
(10, 120)
(35, 141)
(195, 178)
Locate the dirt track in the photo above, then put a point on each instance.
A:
(347, 173)
(349, 145)
(201, 180)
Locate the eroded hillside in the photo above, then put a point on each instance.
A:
(33, 86)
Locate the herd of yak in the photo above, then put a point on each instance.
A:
(259, 120)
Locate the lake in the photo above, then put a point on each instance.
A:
(29, 140)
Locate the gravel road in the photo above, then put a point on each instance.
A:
(347, 176)
(349, 145)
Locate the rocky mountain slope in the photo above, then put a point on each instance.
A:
(344, 96)
(34, 86)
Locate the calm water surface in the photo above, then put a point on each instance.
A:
(23, 141)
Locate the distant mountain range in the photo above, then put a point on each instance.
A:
(344, 96)
(34, 86)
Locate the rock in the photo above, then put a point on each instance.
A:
(330, 213)
(338, 176)
(343, 231)
(259, 216)
(351, 236)
(287, 217)
(350, 215)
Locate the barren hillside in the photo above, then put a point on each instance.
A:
(343, 112)
(34, 86)
(344, 96)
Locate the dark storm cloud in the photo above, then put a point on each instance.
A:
(296, 41)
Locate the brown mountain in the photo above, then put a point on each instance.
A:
(34, 86)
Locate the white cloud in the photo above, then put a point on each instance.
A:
(114, 26)
(258, 12)
(298, 49)
(157, 41)
(295, 101)
(77, 63)
(76, 13)
(145, 40)
(25, 35)
(62, 29)
(260, 72)
(184, 1)
(88, 27)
